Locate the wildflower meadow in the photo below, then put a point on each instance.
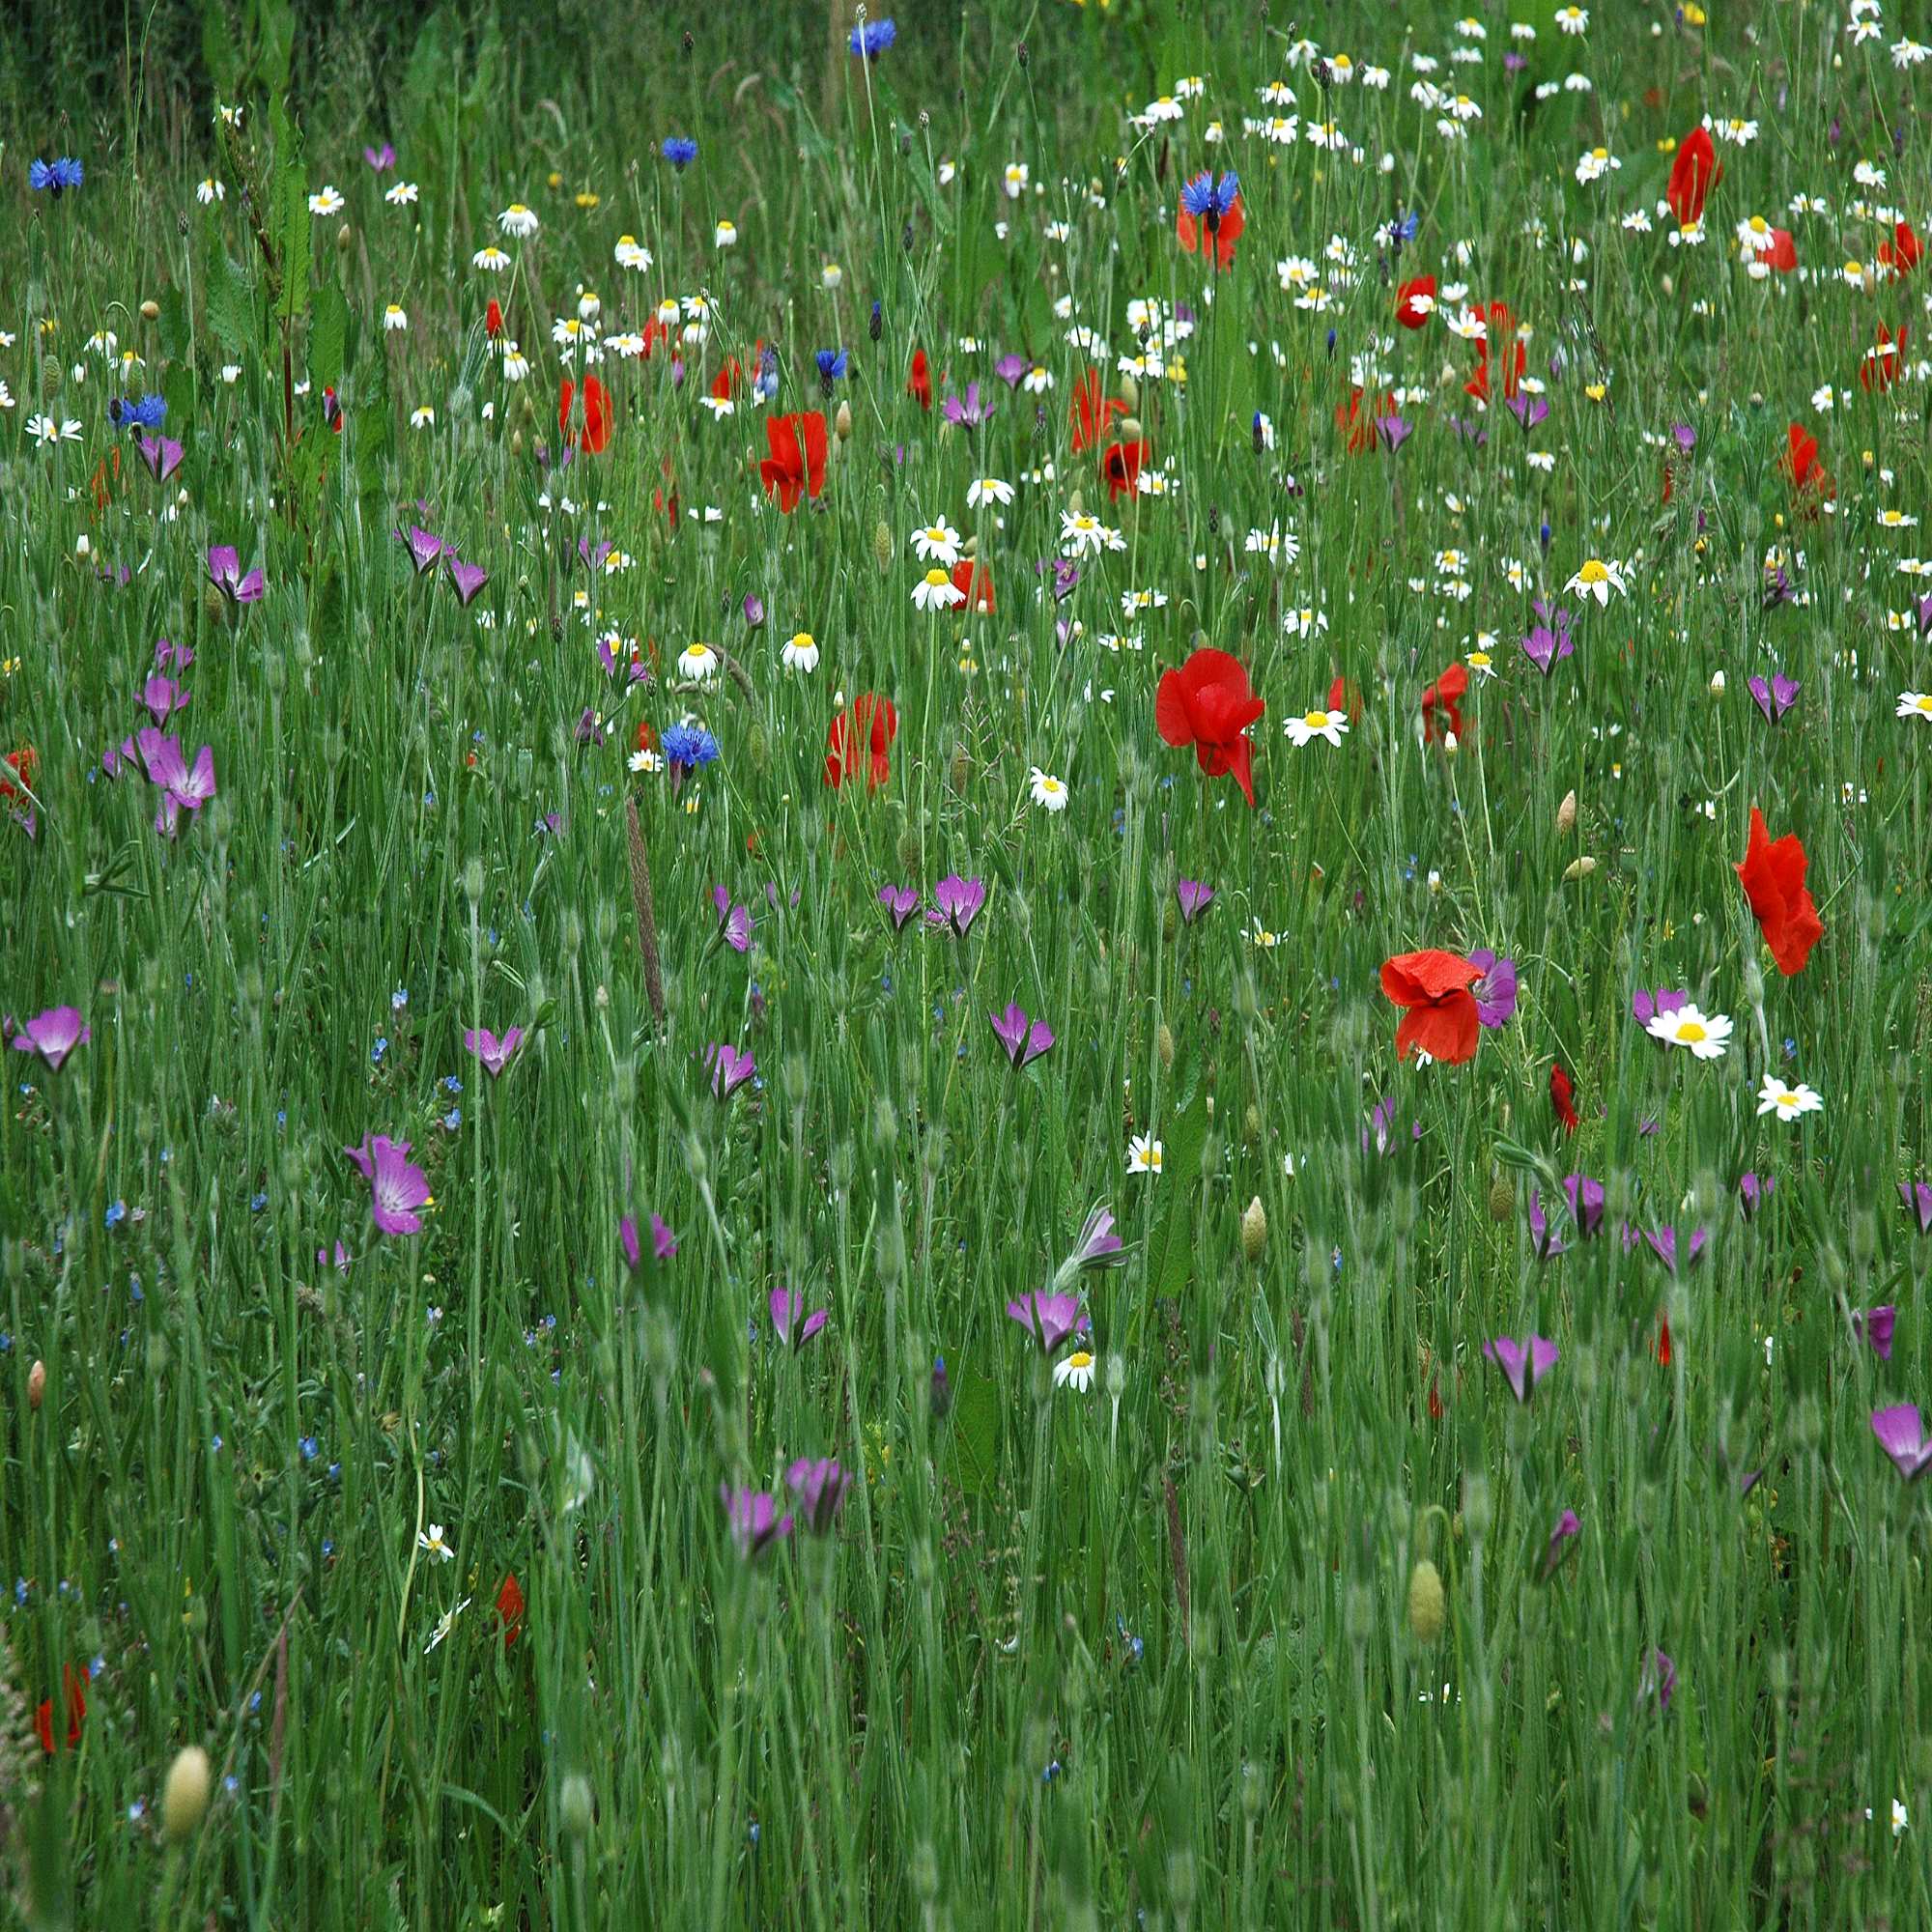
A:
(969, 970)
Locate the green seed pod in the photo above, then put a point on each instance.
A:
(1428, 1606)
(1253, 1231)
(184, 1795)
(882, 547)
(1164, 1042)
(1502, 1200)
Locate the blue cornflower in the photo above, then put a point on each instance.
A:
(117, 1212)
(310, 1448)
(1207, 200)
(872, 38)
(52, 177)
(832, 365)
(680, 150)
(126, 412)
(257, 1203)
(689, 746)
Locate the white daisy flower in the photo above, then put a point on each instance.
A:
(1787, 1103)
(1706, 1035)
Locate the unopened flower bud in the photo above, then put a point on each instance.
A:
(1253, 1231)
(1579, 868)
(576, 1808)
(151, 310)
(1428, 1606)
(1717, 684)
(343, 236)
(1130, 429)
(1130, 393)
(841, 423)
(1502, 1200)
(1566, 815)
(962, 768)
(1164, 1043)
(36, 1384)
(1251, 1123)
(882, 547)
(184, 1795)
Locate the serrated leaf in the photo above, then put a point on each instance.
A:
(1172, 1259)
(975, 1425)
(230, 306)
(174, 329)
(179, 391)
(290, 226)
(328, 337)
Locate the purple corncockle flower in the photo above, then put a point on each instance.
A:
(956, 902)
(1024, 1043)
(754, 1519)
(1549, 639)
(729, 1069)
(754, 611)
(1753, 1193)
(1529, 410)
(634, 671)
(1924, 615)
(819, 1489)
(1645, 1006)
(664, 1243)
(1394, 430)
(1009, 368)
(397, 1187)
(1523, 1363)
(969, 413)
(117, 759)
(1195, 899)
(592, 555)
(1566, 1532)
(1381, 1128)
(1049, 1318)
(162, 455)
(1685, 437)
(1775, 697)
(1918, 1198)
(1494, 988)
(588, 730)
(900, 903)
(339, 1262)
(1875, 1325)
(1586, 1203)
(1471, 428)
(1544, 1241)
(1098, 1246)
(1663, 1242)
(181, 656)
(381, 159)
(1901, 1434)
(467, 578)
(1660, 1680)
(424, 549)
(494, 1052)
(184, 787)
(53, 1034)
(161, 695)
(224, 572)
(787, 1308)
(1066, 578)
(734, 922)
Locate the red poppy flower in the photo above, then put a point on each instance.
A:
(77, 1708)
(1664, 1340)
(1407, 311)
(1208, 703)
(665, 501)
(919, 382)
(1561, 1097)
(869, 723)
(596, 412)
(647, 739)
(1802, 465)
(1435, 1411)
(1442, 1018)
(796, 465)
(1500, 327)
(1345, 695)
(1091, 410)
(332, 410)
(1693, 174)
(1443, 699)
(1882, 362)
(1774, 881)
(973, 581)
(1194, 237)
(1358, 418)
(492, 319)
(725, 385)
(1121, 467)
(16, 772)
(510, 1608)
(1901, 254)
(1782, 254)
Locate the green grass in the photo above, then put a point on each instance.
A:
(1141, 1655)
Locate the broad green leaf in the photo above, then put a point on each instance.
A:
(327, 336)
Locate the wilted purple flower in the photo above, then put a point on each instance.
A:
(1901, 1434)
(969, 414)
(900, 903)
(1544, 1241)
(224, 572)
(1098, 1246)
(1918, 1198)
(787, 1307)
(755, 611)
(1380, 1130)
(397, 1186)
(664, 1243)
(1529, 410)
(734, 922)
(1049, 1318)
(1753, 1193)
(162, 455)
(381, 159)
(729, 1069)
(1494, 988)
(1549, 639)
(1875, 1325)
(592, 555)
(956, 902)
(819, 1489)
(1775, 697)
(588, 730)
(1523, 1363)
(424, 548)
(1660, 1680)
(494, 1052)
(1009, 368)
(53, 1034)
(1195, 899)
(1645, 1006)
(754, 1519)
(161, 695)
(1777, 591)
(1566, 1530)
(1663, 1243)
(1066, 578)
(1394, 430)
(468, 578)
(1024, 1043)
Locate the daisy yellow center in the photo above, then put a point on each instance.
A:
(1154, 1157)
(935, 536)
(1593, 572)
(1690, 1032)
(1759, 225)
(803, 640)
(1085, 523)
(1080, 1359)
(1317, 720)
(1480, 659)
(1052, 787)
(936, 578)
(518, 208)
(1923, 703)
